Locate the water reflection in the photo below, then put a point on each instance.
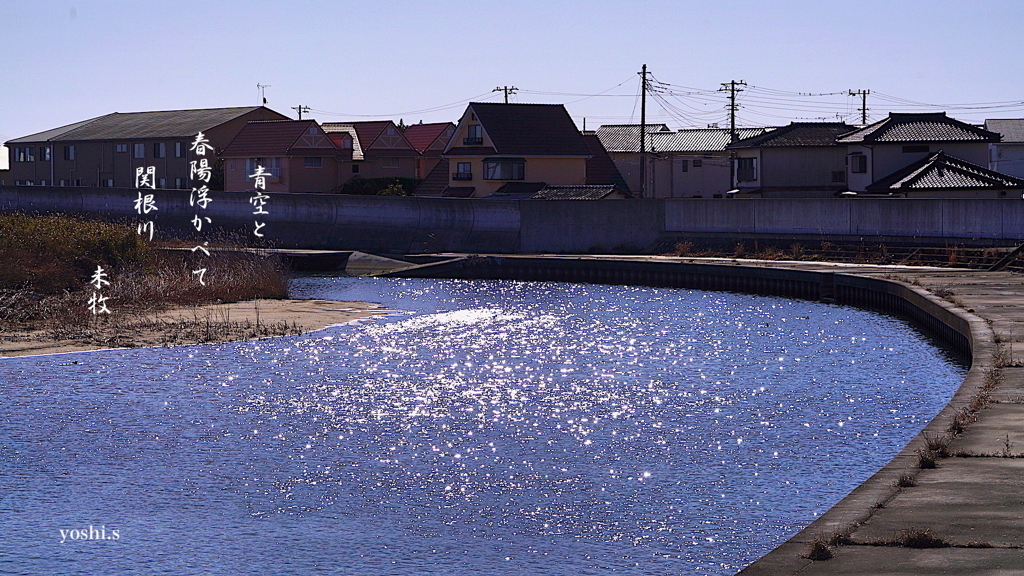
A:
(496, 428)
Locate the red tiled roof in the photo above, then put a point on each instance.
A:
(270, 138)
(421, 136)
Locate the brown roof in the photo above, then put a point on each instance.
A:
(435, 182)
(135, 125)
(600, 168)
(422, 136)
(528, 130)
(270, 138)
(575, 192)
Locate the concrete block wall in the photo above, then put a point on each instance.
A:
(414, 225)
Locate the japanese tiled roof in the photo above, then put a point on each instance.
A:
(939, 171)
(924, 127)
(699, 139)
(337, 131)
(421, 136)
(529, 129)
(797, 134)
(625, 137)
(1011, 129)
(270, 138)
(600, 167)
(137, 125)
(575, 192)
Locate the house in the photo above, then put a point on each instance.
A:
(298, 155)
(940, 175)
(622, 141)
(429, 140)
(379, 149)
(495, 144)
(801, 160)
(880, 150)
(688, 163)
(106, 150)
(1007, 155)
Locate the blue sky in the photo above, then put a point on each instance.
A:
(66, 61)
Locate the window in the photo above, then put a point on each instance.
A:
(140, 150)
(44, 153)
(159, 150)
(916, 148)
(161, 182)
(42, 182)
(475, 136)
(463, 171)
(858, 163)
(389, 162)
(25, 154)
(179, 183)
(179, 149)
(697, 162)
(504, 169)
(77, 182)
(109, 182)
(684, 165)
(355, 168)
(62, 183)
(838, 176)
(272, 166)
(746, 169)
(69, 152)
(120, 148)
(314, 162)
(346, 143)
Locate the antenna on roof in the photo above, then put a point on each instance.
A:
(301, 109)
(263, 94)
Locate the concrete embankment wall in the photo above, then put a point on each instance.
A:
(412, 225)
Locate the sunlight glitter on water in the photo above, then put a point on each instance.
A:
(513, 428)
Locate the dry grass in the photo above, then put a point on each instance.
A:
(47, 262)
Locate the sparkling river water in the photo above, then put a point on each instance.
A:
(491, 428)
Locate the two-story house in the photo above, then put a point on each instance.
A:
(297, 155)
(107, 150)
(879, 150)
(801, 160)
(524, 145)
(379, 149)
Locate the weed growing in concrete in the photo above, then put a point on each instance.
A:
(919, 538)
(905, 481)
(820, 550)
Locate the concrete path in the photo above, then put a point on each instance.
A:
(970, 506)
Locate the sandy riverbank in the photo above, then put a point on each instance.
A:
(215, 323)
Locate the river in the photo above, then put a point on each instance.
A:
(498, 428)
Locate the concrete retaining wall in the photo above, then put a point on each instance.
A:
(411, 225)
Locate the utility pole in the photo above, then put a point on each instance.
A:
(863, 104)
(301, 109)
(262, 89)
(732, 87)
(507, 90)
(643, 130)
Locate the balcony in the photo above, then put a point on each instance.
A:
(462, 175)
(473, 141)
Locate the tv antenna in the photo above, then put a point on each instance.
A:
(263, 94)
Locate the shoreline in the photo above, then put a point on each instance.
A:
(237, 321)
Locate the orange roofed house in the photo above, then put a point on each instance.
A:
(298, 154)
(379, 149)
(512, 148)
